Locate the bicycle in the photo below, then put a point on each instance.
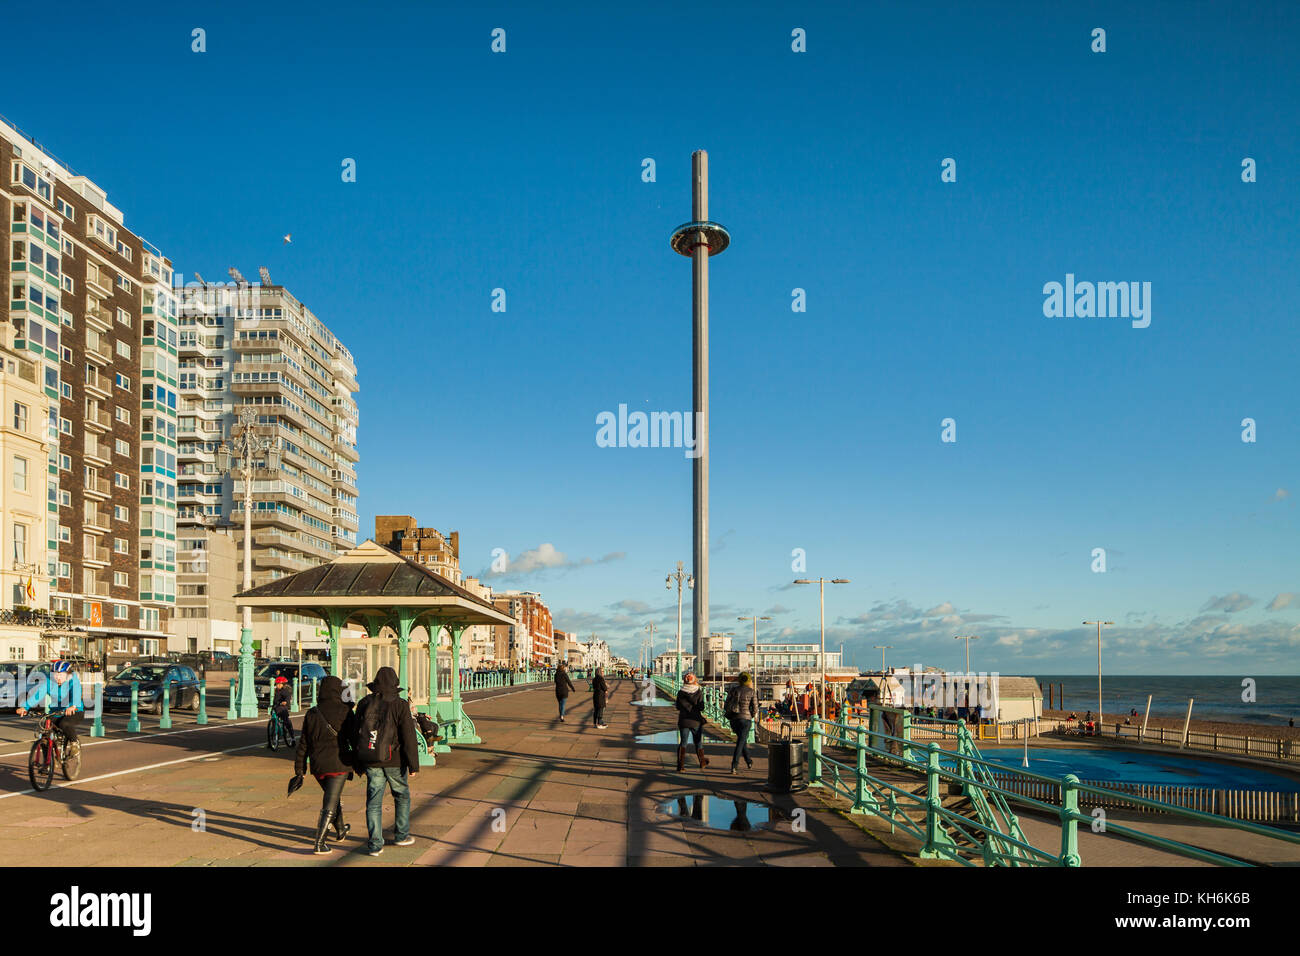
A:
(276, 731)
(50, 747)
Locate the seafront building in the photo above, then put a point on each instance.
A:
(80, 288)
(244, 345)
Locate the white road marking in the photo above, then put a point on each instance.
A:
(87, 741)
(118, 773)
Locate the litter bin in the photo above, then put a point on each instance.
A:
(785, 757)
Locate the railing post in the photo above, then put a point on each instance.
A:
(97, 728)
(165, 722)
(906, 734)
(863, 801)
(814, 754)
(297, 705)
(1069, 825)
(232, 713)
(936, 839)
(314, 682)
(133, 724)
(202, 717)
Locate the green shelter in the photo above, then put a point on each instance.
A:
(402, 607)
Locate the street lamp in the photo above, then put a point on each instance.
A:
(651, 628)
(821, 583)
(1099, 626)
(882, 648)
(238, 458)
(681, 577)
(967, 638)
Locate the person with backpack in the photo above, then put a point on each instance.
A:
(386, 750)
(741, 708)
(690, 721)
(600, 697)
(324, 748)
(563, 687)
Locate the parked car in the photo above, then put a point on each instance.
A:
(151, 676)
(266, 674)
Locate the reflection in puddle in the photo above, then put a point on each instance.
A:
(720, 813)
(657, 702)
(671, 738)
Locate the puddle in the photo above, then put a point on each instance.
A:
(719, 813)
(658, 702)
(670, 738)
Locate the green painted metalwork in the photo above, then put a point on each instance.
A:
(295, 706)
(165, 722)
(233, 713)
(97, 728)
(202, 717)
(133, 723)
(314, 682)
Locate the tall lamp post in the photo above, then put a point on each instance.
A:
(755, 619)
(238, 458)
(651, 628)
(681, 577)
(1099, 624)
(967, 638)
(882, 648)
(821, 583)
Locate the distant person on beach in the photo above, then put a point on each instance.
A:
(1291, 722)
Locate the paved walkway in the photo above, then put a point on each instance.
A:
(536, 792)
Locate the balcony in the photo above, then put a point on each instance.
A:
(97, 555)
(98, 450)
(98, 350)
(99, 487)
(97, 316)
(99, 386)
(99, 280)
(95, 518)
(98, 419)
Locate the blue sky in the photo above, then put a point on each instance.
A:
(522, 171)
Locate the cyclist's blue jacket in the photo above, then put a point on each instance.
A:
(61, 697)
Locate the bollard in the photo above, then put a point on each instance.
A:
(97, 728)
(814, 754)
(296, 706)
(165, 722)
(133, 725)
(314, 682)
(231, 714)
(202, 717)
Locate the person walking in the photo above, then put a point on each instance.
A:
(280, 702)
(741, 709)
(563, 687)
(386, 750)
(325, 749)
(690, 721)
(600, 697)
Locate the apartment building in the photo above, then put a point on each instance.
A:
(427, 546)
(77, 279)
(243, 345)
(532, 636)
(209, 574)
(26, 438)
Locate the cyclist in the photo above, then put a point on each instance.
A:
(64, 689)
(281, 705)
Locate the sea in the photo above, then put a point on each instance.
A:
(1258, 700)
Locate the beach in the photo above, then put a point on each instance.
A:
(1255, 731)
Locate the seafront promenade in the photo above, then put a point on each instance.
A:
(536, 792)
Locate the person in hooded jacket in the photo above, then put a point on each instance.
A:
(395, 771)
(690, 720)
(563, 687)
(324, 748)
(600, 697)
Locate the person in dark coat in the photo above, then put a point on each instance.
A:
(741, 709)
(563, 687)
(690, 720)
(324, 748)
(280, 701)
(395, 771)
(600, 696)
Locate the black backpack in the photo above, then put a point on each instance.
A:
(376, 732)
(732, 706)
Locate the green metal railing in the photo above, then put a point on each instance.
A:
(991, 834)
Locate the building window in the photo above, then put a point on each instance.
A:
(121, 480)
(20, 544)
(20, 474)
(123, 415)
(120, 513)
(120, 579)
(120, 546)
(122, 381)
(65, 535)
(120, 612)
(20, 417)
